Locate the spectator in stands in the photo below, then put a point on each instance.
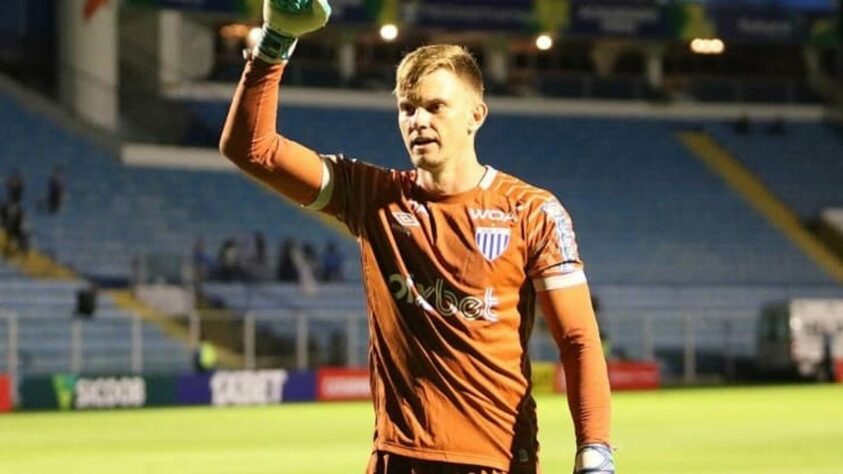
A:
(305, 261)
(202, 262)
(742, 125)
(332, 263)
(228, 260)
(13, 218)
(310, 258)
(293, 265)
(260, 248)
(55, 190)
(776, 127)
(14, 187)
(286, 270)
(258, 266)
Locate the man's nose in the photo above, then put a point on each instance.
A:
(420, 118)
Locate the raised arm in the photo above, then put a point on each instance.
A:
(249, 138)
(573, 324)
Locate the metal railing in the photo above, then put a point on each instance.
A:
(46, 345)
(284, 338)
(691, 347)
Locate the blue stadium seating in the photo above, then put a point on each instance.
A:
(803, 167)
(44, 313)
(646, 211)
(114, 212)
(271, 296)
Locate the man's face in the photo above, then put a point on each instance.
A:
(438, 119)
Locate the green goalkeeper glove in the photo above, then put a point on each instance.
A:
(284, 21)
(594, 459)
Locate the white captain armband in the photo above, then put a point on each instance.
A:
(326, 188)
(565, 280)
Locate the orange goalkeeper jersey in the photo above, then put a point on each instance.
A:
(450, 285)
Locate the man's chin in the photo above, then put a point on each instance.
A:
(426, 161)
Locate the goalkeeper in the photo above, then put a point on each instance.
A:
(454, 255)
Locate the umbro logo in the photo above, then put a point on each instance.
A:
(406, 219)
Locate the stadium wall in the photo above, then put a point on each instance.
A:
(532, 106)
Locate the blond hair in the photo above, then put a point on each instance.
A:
(427, 59)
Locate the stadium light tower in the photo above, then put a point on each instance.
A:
(389, 32)
(544, 42)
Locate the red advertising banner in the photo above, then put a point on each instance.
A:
(623, 375)
(5, 393)
(634, 375)
(838, 370)
(342, 384)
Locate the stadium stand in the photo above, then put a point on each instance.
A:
(271, 296)
(114, 213)
(45, 315)
(635, 193)
(654, 224)
(663, 237)
(807, 178)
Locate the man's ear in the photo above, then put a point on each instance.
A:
(478, 116)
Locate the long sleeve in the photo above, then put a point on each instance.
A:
(249, 138)
(571, 320)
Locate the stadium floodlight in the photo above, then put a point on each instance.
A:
(389, 32)
(708, 46)
(544, 42)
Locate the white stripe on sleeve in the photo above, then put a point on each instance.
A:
(326, 189)
(560, 281)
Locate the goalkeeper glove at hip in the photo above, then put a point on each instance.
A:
(594, 459)
(283, 22)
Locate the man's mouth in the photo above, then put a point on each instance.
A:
(422, 142)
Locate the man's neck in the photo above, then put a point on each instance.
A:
(455, 179)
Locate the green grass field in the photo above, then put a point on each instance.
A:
(785, 429)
